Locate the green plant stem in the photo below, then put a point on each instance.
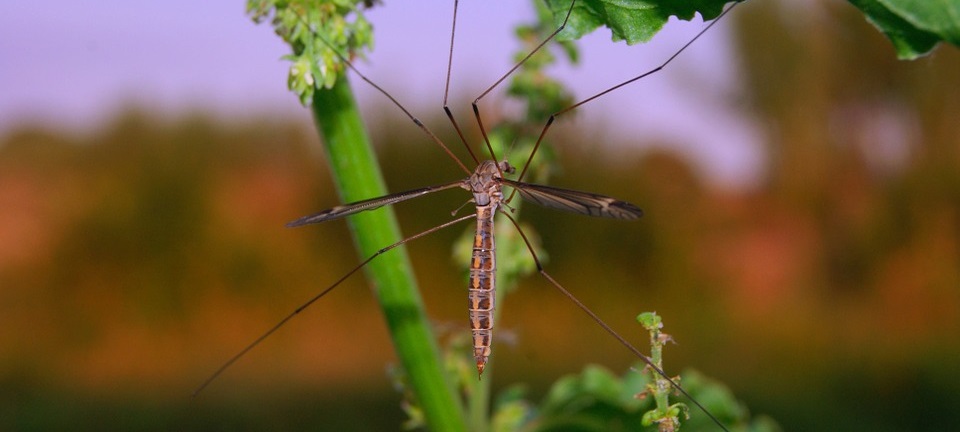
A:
(357, 176)
(662, 393)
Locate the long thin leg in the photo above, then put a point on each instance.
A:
(446, 90)
(453, 33)
(527, 57)
(415, 120)
(475, 104)
(297, 311)
(553, 117)
(605, 326)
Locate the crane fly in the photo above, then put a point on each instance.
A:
(486, 183)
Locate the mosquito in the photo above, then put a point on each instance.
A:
(486, 183)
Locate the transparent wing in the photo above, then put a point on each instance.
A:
(585, 203)
(370, 204)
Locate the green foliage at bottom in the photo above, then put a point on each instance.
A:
(598, 400)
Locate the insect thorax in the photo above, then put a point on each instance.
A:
(483, 182)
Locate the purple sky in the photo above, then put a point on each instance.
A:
(76, 64)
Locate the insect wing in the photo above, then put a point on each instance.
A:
(370, 204)
(585, 203)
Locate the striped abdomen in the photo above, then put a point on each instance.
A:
(482, 287)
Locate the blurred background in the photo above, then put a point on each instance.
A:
(801, 236)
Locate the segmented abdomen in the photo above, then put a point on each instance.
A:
(482, 287)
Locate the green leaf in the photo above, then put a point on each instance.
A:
(910, 40)
(592, 385)
(511, 410)
(650, 321)
(914, 27)
(941, 18)
(631, 20)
